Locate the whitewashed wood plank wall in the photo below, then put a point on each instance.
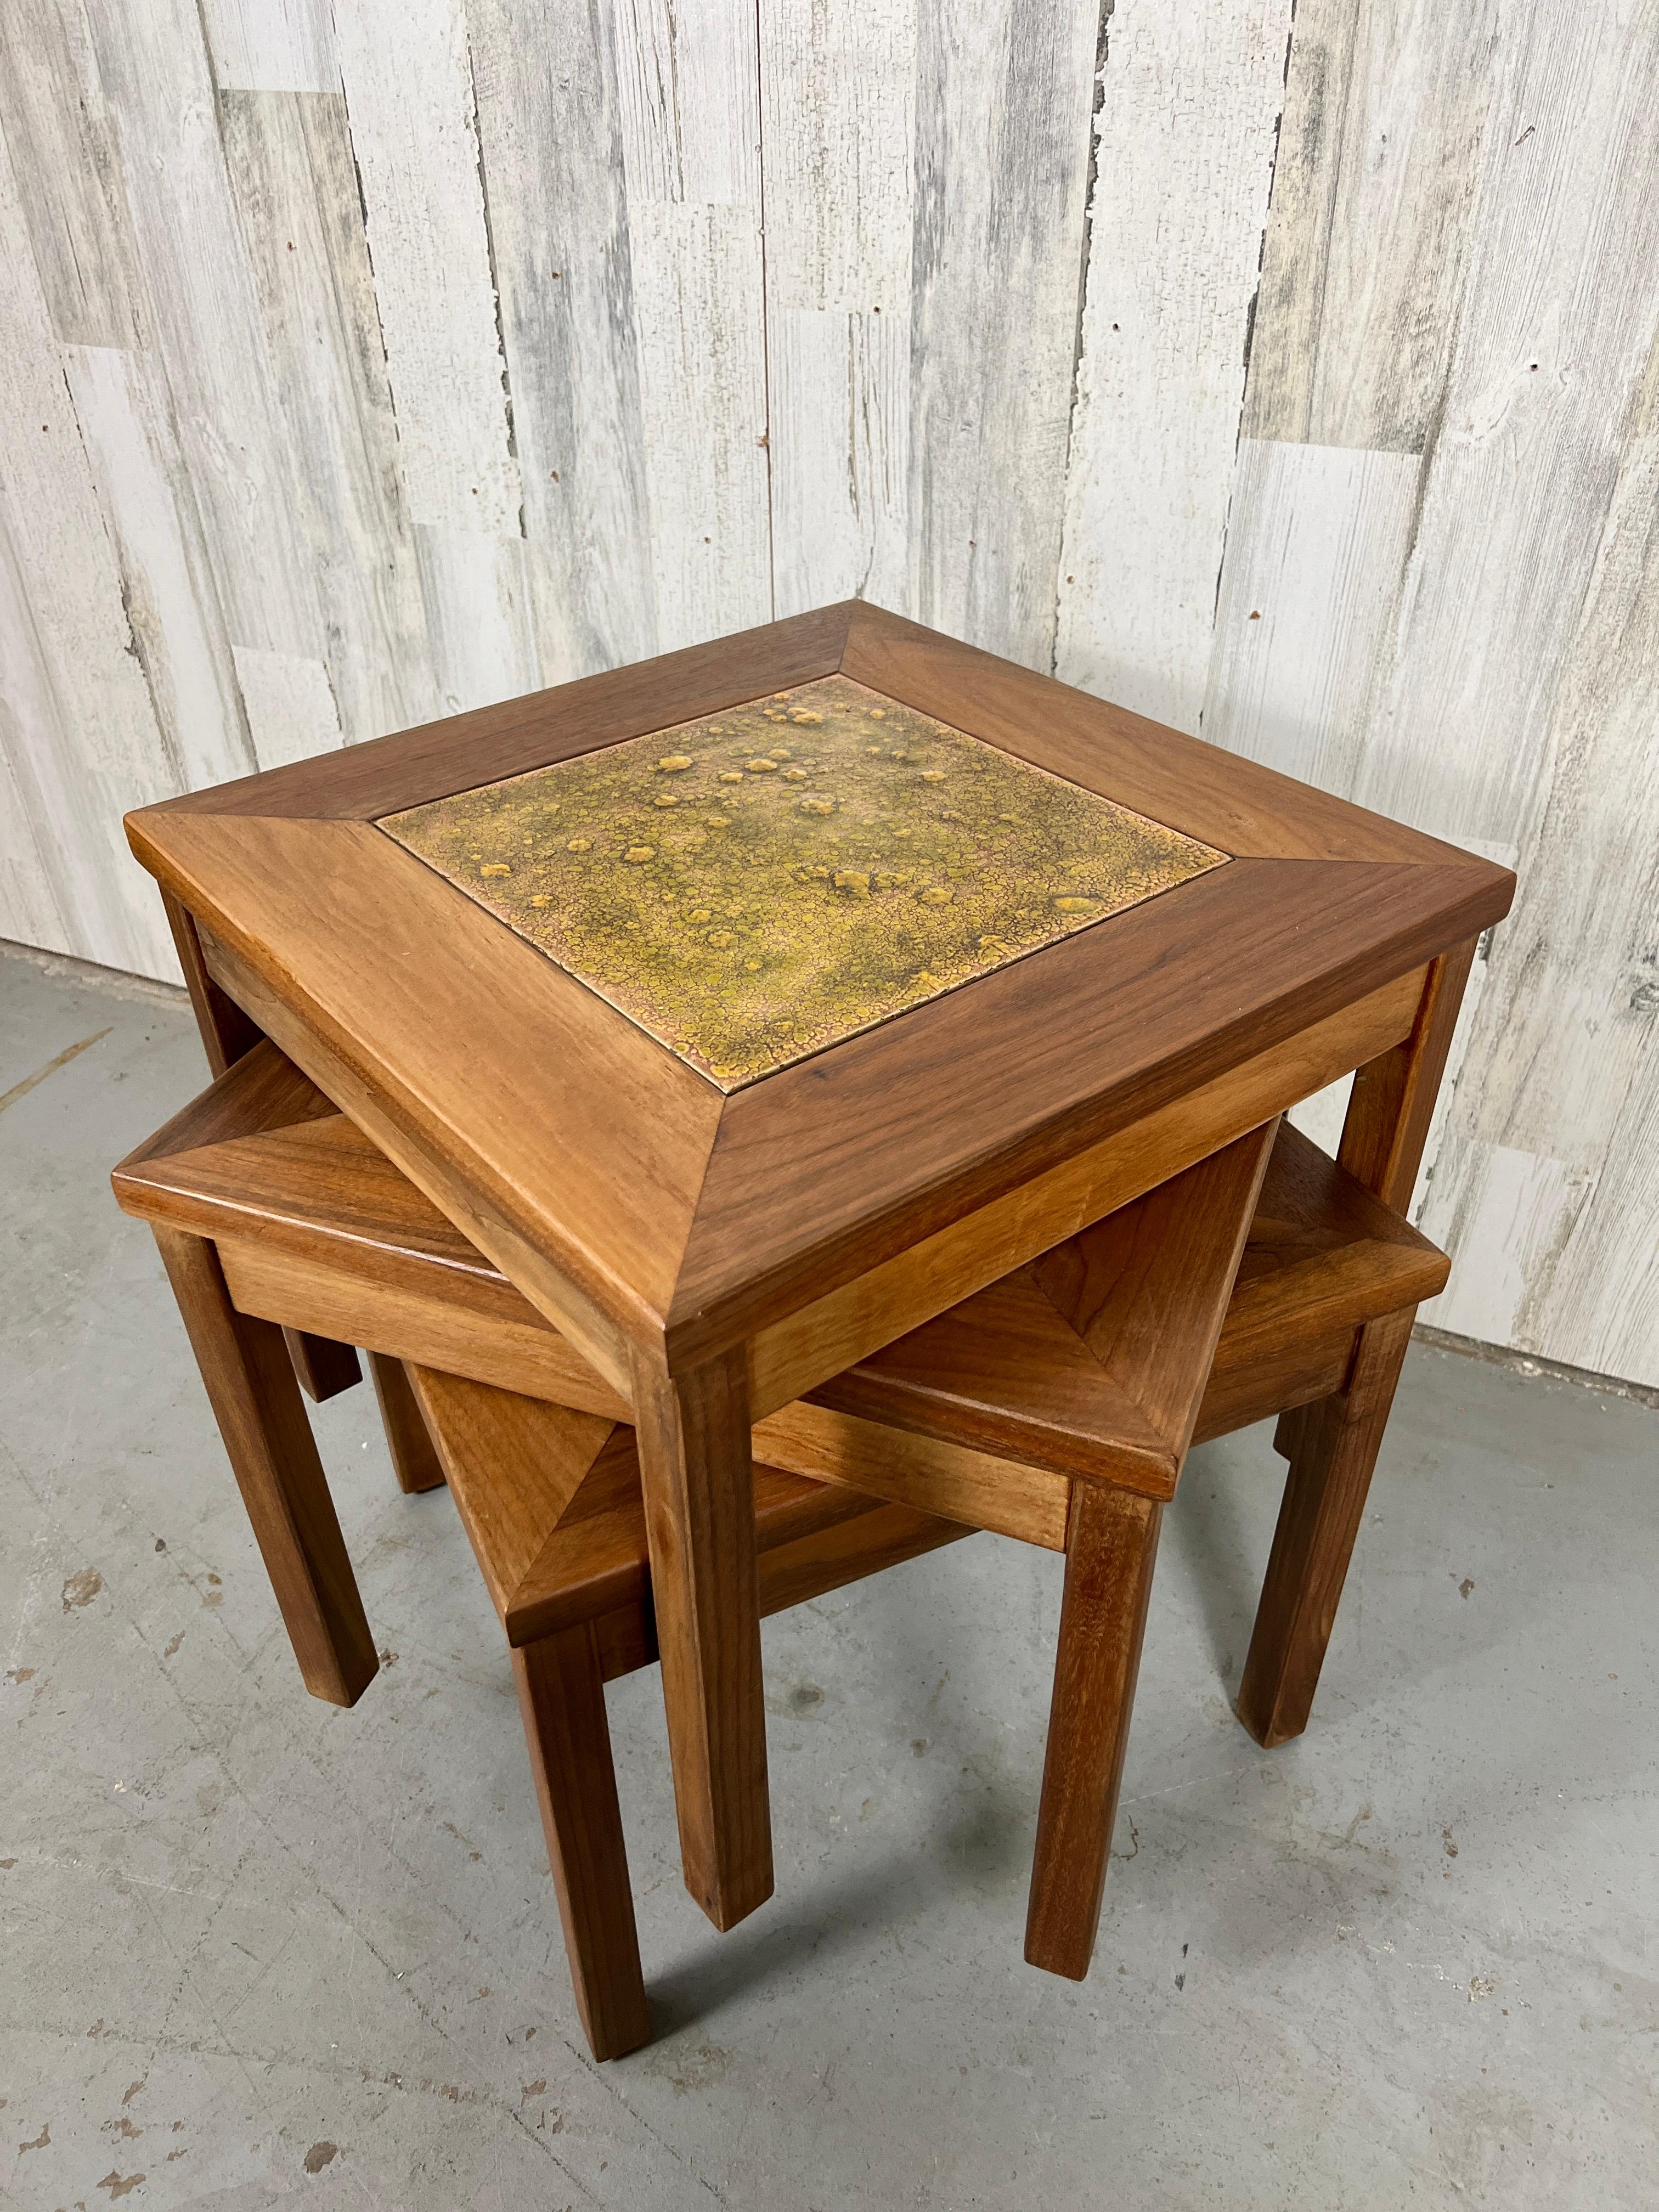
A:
(1290, 375)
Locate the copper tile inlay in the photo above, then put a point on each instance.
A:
(756, 885)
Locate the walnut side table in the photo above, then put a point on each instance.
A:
(750, 1007)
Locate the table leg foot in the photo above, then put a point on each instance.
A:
(1111, 1547)
(1332, 1446)
(561, 1697)
(697, 1474)
(415, 1460)
(256, 1401)
(321, 1367)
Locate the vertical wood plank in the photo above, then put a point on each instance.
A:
(840, 417)
(1530, 568)
(292, 175)
(1191, 99)
(1004, 96)
(688, 115)
(1545, 1178)
(1552, 343)
(202, 308)
(838, 130)
(479, 616)
(84, 739)
(1316, 548)
(67, 171)
(1506, 1220)
(688, 98)
(407, 78)
(551, 130)
(291, 708)
(1588, 941)
(1386, 107)
(702, 395)
(167, 586)
(271, 45)
(216, 530)
(407, 70)
(1596, 1300)
(31, 862)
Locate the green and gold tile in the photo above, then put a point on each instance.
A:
(758, 884)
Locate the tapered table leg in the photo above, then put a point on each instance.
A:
(1332, 1447)
(561, 1697)
(414, 1459)
(256, 1401)
(698, 1479)
(322, 1367)
(1111, 1545)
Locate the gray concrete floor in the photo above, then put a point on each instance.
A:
(256, 1949)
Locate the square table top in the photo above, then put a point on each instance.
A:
(715, 979)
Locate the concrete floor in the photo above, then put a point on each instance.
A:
(256, 1949)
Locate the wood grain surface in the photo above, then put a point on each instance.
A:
(414, 1460)
(561, 1697)
(256, 1401)
(1333, 1449)
(1111, 1547)
(314, 1226)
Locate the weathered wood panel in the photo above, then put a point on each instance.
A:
(169, 591)
(1546, 1175)
(1317, 551)
(1187, 128)
(67, 172)
(1004, 95)
(1552, 339)
(87, 741)
(1515, 705)
(549, 125)
(838, 133)
(365, 364)
(36, 873)
(482, 623)
(289, 160)
(201, 312)
(291, 708)
(271, 45)
(702, 406)
(408, 74)
(1385, 111)
(689, 112)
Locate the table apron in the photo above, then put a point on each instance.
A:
(794, 1355)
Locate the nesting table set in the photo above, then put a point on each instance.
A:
(770, 1112)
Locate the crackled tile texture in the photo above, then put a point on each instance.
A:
(258, 1952)
(760, 884)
